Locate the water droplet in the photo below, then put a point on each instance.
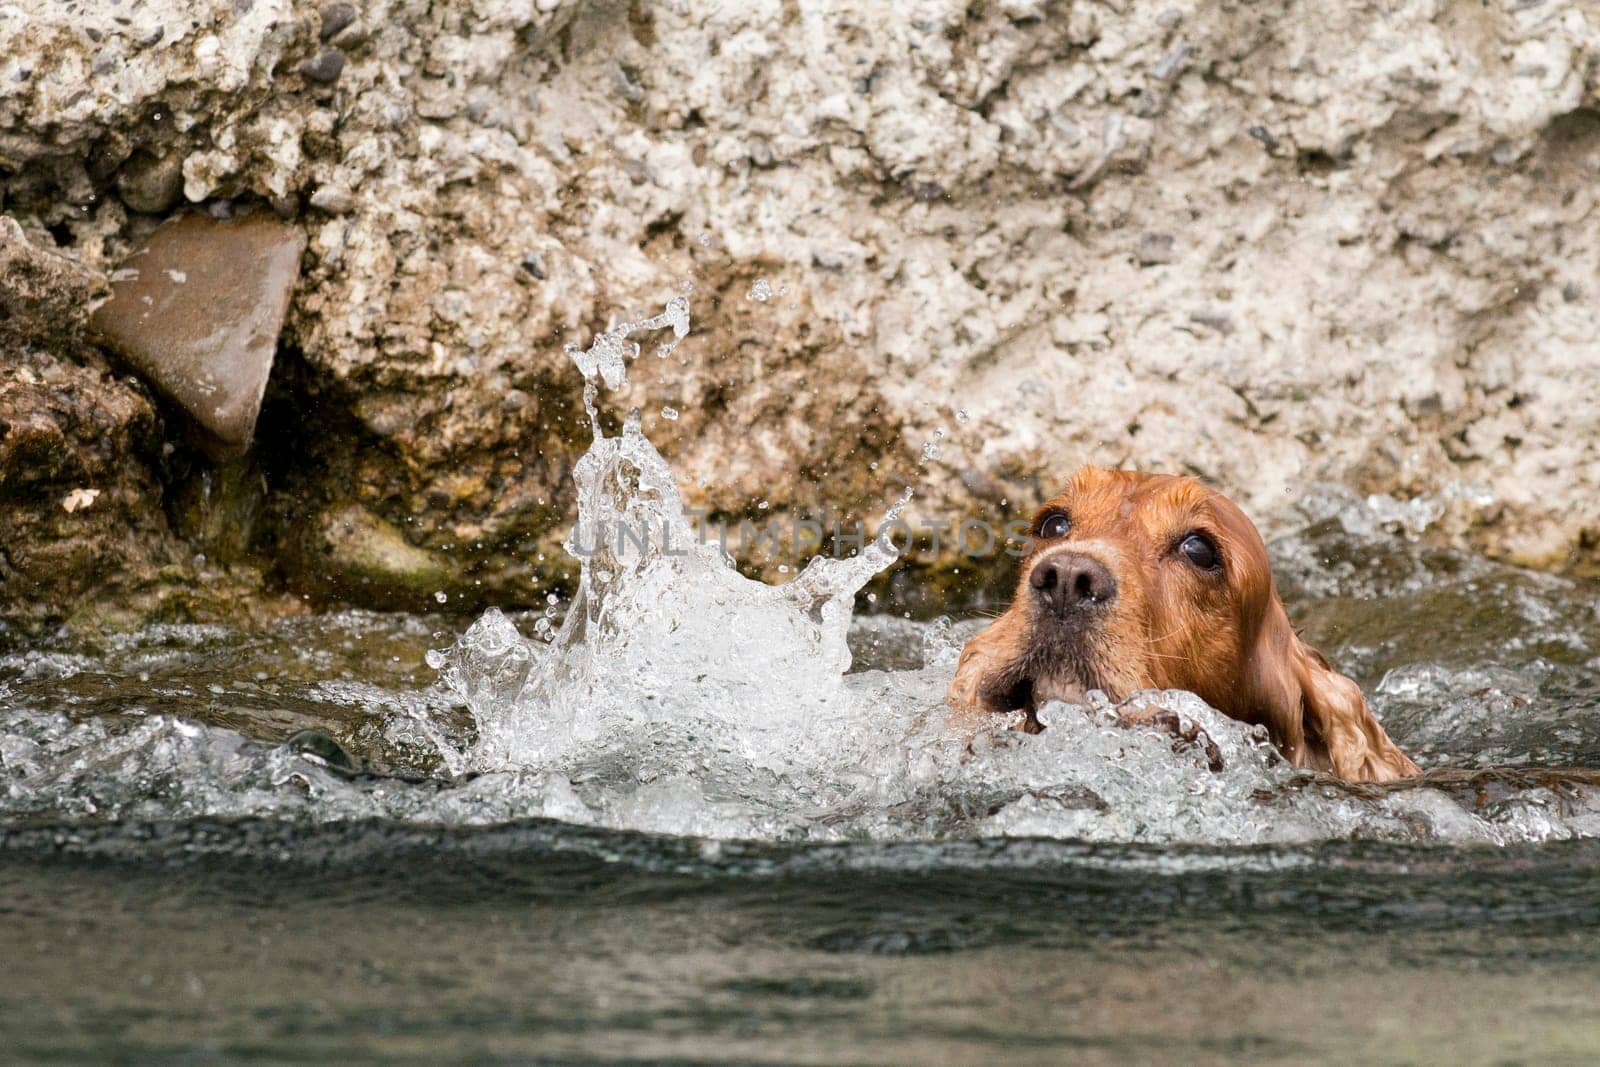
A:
(441, 596)
(961, 415)
(764, 505)
(669, 413)
(761, 291)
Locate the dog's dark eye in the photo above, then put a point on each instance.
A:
(1054, 525)
(1200, 550)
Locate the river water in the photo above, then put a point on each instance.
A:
(690, 817)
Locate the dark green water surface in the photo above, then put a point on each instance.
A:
(529, 942)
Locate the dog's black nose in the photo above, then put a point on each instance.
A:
(1071, 580)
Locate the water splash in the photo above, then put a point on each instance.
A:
(607, 356)
(669, 667)
(681, 697)
(675, 695)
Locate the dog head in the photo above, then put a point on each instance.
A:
(1142, 581)
(1138, 581)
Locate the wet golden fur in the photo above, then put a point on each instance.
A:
(1222, 634)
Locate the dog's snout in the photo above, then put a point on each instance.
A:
(1072, 580)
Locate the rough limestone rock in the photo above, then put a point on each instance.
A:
(84, 538)
(1279, 245)
(197, 310)
(73, 495)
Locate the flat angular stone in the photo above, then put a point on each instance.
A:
(197, 312)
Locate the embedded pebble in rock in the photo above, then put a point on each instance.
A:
(151, 184)
(1154, 249)
(333, 200)
(335, 17)
(325, 67)
(197, 311)
(355, 554)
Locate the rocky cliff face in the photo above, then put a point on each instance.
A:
(1276, 244)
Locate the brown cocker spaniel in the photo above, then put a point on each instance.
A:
(1142, 581)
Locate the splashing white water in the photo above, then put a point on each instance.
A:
(671, 671)
(607, 357)
(677, 696)
(681, 697)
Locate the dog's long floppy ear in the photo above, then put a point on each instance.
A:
(1317, 716)
(1338, 720)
